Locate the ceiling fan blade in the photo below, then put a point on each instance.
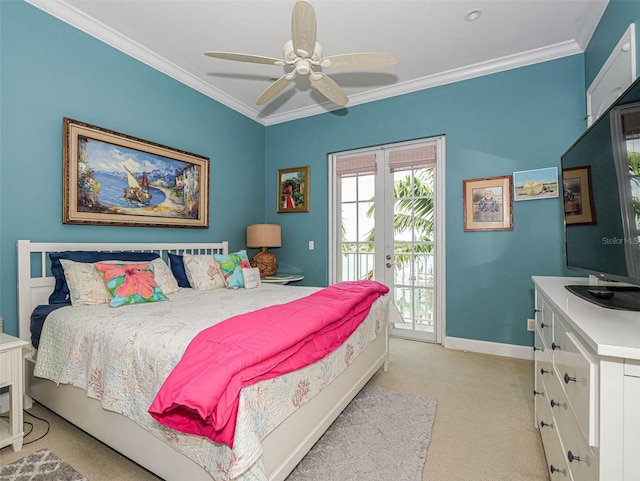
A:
(329, 88)
(359, 60)
(303, 28)
(275, 88)
(242, 57)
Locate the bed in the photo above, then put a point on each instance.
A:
(176, 456)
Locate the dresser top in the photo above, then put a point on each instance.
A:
(609, 332)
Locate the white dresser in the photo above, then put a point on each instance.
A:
(587, 385)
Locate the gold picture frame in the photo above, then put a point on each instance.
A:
(579, 208)
(115, 179)
(293, 190)
(488, 204)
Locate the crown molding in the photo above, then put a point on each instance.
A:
(502, 64)
(74, 17)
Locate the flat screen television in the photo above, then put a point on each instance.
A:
(601, 188)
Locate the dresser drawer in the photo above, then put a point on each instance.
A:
(578, 373)
(581, 459)
(544, 321)
(556, 460)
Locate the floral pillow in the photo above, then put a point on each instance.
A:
(231, 266)
(130, 283)
(86, 285)
(203, 272)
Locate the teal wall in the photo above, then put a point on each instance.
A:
(50, 70)
(494, 125)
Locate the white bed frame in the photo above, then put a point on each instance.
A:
(283, 448)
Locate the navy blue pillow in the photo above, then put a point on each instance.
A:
(60, 294)
(177, 267)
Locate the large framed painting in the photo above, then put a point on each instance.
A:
(293, 190)
(116, 179)
(487, 204)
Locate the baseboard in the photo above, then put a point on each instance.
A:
(487, 347)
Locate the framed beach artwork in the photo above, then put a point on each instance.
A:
(116, 179)
(293, 190)
(578, 196)
(535, 184)
(487, 204)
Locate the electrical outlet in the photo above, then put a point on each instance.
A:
(311, 245)
(531, 324)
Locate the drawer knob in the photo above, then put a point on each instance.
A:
(544, 371)
(568, 379)
(537, 348)
(543, 325)
(554, 346)
(536, 393)
(554, 404)
(572, 457)
(553, 469)
(543, 424)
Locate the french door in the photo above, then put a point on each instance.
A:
(387, 224)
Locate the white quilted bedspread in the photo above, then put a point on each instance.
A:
(121, 356)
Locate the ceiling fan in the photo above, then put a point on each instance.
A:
(304, 54)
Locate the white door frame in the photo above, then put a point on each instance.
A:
(440, 223)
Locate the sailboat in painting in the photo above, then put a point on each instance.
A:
(137, 191)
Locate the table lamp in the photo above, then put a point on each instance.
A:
(263, 236)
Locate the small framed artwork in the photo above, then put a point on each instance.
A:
(111, 178)
(293, 190)
(535, 184)
(578, 197)
(487, 204)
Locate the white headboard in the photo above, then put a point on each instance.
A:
(35, 283)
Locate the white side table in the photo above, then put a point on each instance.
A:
(11, 376)
(282, 279)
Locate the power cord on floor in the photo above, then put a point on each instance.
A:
(31, 428)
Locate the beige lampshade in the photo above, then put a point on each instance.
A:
(263, 235)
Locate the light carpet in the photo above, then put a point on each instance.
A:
(42, 465)
(382, 435)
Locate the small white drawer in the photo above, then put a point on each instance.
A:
(581, 459)
(578, 373)
(556, 460)
(544, 322)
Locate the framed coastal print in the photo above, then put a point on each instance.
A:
(535, 184)
(293, 190)
(116, 179)
(487, 204)
(578, 197)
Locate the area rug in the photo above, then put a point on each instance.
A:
(42, 465)
(382, 435)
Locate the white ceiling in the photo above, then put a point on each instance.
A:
(435, 43)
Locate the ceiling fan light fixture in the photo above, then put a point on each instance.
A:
(303, 53)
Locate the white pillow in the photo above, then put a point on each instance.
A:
(86, 285)
(164, 276)
(251, 277)
(203, 272)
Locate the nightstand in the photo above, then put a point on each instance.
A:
(282, 279)
(11, 376)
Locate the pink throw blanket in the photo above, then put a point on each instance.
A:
(202, 393)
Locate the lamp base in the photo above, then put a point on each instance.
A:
(265, 261)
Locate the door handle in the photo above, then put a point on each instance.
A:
(388, 257)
